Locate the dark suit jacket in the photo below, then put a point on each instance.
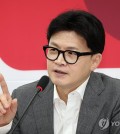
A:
(99, 112)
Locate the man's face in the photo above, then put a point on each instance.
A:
(64, 75)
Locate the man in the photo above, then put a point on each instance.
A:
(76, 100)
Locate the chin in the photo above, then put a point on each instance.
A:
(58, 82)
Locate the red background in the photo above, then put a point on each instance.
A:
(23, 25)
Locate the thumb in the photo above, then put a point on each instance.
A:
(14, 106)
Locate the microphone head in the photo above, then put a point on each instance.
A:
(42, 83)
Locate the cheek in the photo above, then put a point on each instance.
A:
(82, 66)
(49, 64)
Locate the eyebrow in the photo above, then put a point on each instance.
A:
(54, 44)
(67, 48)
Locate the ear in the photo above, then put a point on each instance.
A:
(96, 59)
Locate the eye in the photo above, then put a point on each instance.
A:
(71, 53)
(53, 49)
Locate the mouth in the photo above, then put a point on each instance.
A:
(59, 72)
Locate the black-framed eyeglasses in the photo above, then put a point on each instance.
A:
(69, 56)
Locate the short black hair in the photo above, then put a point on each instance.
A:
(84, 24)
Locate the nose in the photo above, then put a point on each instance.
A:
(60, 60)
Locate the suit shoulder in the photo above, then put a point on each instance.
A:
(106, 78)
(110, 82)
(26, 89)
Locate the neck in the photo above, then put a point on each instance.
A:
(63, 92)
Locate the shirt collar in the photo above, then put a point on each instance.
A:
(80, 89)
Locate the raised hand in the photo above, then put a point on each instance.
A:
(8, 106)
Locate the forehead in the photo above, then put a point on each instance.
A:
(68, 39)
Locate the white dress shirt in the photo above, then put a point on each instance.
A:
(5, 129)
(65, 116)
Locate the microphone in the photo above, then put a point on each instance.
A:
(43, 82)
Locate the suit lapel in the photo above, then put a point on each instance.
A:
(91, 106)
(43, 110)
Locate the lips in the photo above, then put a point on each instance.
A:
(60, 72)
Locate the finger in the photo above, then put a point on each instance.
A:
(4, 85)
(2, 110)
(1, 114)
(5, 102)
